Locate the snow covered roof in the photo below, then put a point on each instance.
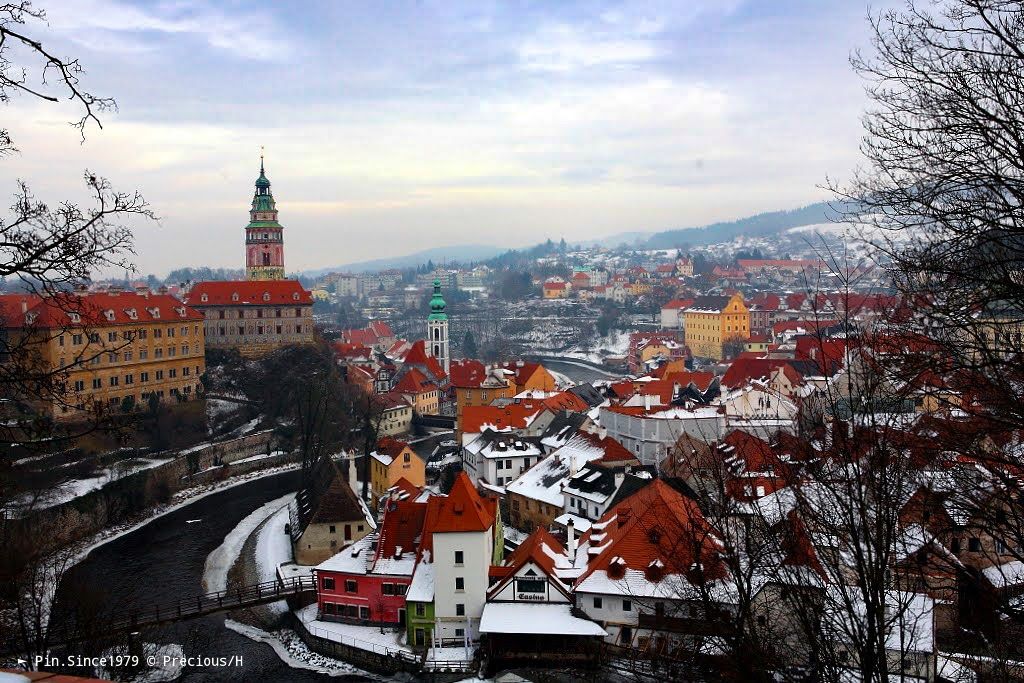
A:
(421, 589)
(535, 618)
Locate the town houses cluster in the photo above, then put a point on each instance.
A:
(554, 522)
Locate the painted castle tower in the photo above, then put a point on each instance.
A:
(264, 236)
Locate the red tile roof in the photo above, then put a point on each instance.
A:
(655, 524)
(522, 370)
(555, 286)
(248, 293)
(466, 373)
(511, 416)
(401, 526)
(463, 509)
(101, 308)
(678, 303)
(415, 382)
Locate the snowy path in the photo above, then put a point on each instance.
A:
(220, 561)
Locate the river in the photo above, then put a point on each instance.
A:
(163, 562)
(578, 372)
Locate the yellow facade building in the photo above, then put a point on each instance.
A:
(712, 322)
(112, 351)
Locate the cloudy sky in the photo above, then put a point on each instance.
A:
(392, 127)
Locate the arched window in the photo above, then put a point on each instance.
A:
(437, 350)
(437, 333)
(266, 258)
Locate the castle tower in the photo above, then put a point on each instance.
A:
(264, 238)
(437, 328)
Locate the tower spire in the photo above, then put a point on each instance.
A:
(261, 159)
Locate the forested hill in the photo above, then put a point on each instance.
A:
(759, 225)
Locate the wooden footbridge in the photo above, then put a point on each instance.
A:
(180, 610)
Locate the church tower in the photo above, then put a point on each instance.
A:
(264, 239)
(437, 328)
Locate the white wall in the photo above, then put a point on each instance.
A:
(477, 548)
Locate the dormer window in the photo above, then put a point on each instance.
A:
(266, 296)
(234, 296)
(132, 313)
(109, 315)
(75, 318)
(204, 298)
(30, 318)
(295, 296)
(180, 310)
(154, 312)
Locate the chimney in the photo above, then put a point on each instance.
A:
(620, 476)
(352, 481)
(623, 514)
(570, 540)
(573, 467)
(647, 401)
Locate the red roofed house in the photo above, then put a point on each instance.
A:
(254, 316)
(529, 616)
(556, 289)
(121, 349)
(654, 539)
(393, 460)
(474, 384)
(422, 392)
(377, 335)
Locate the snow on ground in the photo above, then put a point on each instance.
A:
(75, 488)
(162, 672)
(362, 637)
(450, 654)
(273, 548)
(69, 557)
(254, 458)
(215, 573)
(293, 652)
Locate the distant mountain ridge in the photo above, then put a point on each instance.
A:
(759, 225)
(462, 253)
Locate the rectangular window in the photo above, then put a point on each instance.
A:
(421, 611)
(328, 608)
(129, 379)
(173, 372)
(460, 609)
(76, 339)
(400, 588)
(111, 336)
(351, 586)
(598, 603)
(459, 556)
(143, 376)
(364, 613)
(627, 605)
(79, 385)
(159, 375)
(158, 353)
(114, 381)
(170, 331)
(387, 588)
(460, 583)
(460, 633)
(328, 583)
(143, 354)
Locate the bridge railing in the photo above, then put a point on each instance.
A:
(243, 596)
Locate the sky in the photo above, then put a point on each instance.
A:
(394, 127)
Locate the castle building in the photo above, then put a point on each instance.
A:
(112, 351)
(264, 236)
(254, 317)
(437, 328)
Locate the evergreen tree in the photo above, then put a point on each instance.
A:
(469, 349)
